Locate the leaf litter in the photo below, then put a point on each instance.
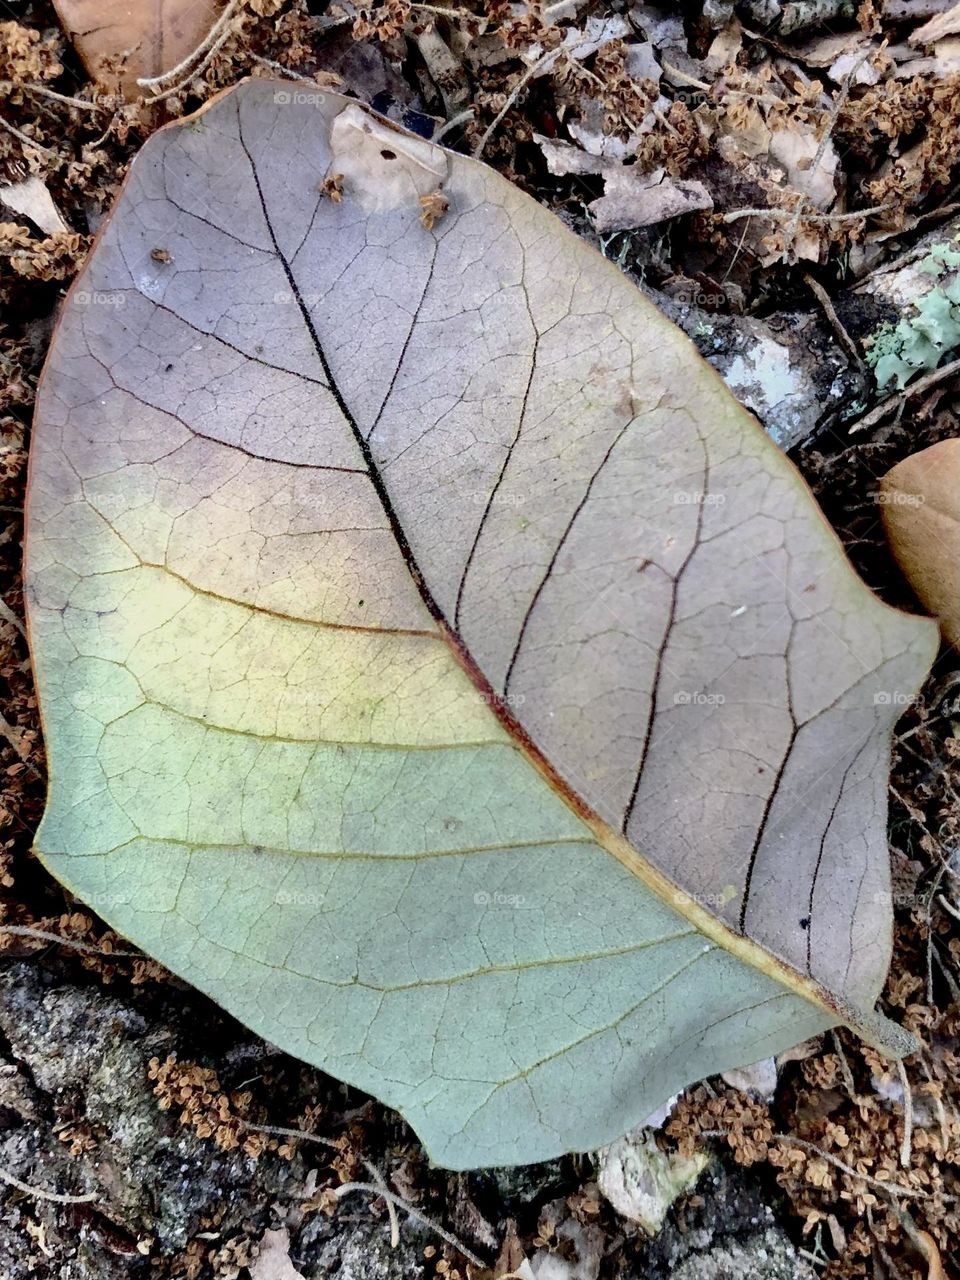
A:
(843, 136)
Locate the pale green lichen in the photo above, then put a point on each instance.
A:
(919, 342)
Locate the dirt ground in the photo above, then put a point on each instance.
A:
(841, 134)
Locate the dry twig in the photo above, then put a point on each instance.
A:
(39, 1194)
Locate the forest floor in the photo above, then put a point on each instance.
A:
(802, 152)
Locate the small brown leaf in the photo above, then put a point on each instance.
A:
(920, 503)
(120, 43)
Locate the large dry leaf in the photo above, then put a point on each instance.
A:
(438, 666)
(920, 500)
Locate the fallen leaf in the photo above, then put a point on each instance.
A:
(855, 68)
(633, 199)
(921, 515)
(931, 1252)
(759, 1078)
(273, 1261)
(511, 1260)
(439, 668)
(563, 158)
(842, 55)
(946, 57)
(745, 132)
(32, 200)
(940, 25)
(795, 150)
(588, 131)
(121, 41)
(642, 63)
(642, 1182)
(725, 47)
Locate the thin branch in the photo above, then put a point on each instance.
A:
(683, 78)
(931, 379)
(414, 1212)
(288, 72)
(848, 344)
(837, 106)
(444, 13)
(24, 931)
(785, 215)
(885, 1258)
(198, 70)
(388, 1201)
(26, 139)
(7, 615)
(39, 1193)
(80, 103)
(888, 1188)
(454, 122)
(203, 47)
(541, 64)
(948, 977)
(281, 1131)
(845, 1068)
(377, 1187)
(906, 1144)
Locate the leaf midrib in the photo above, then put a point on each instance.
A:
(873, 1028)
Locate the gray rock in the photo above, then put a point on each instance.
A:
(90, 1053)
(361, 1251)
(728, 1231)
(787, 370)
(768, 1255)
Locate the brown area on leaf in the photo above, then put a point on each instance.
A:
(120, 43)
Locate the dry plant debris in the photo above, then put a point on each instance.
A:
(822, 145)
